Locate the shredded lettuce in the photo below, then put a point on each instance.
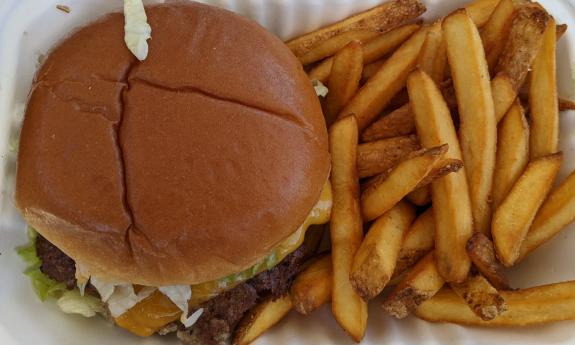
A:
(72, 302)
(44, 286)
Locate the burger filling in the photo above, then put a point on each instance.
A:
(201, 314)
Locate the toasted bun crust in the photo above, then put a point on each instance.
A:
(182, 169)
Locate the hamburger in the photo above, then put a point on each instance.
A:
(173, 193)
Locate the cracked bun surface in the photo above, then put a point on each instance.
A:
(184, 168)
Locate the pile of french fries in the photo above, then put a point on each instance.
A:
(444, 142)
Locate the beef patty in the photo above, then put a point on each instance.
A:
(221, 314)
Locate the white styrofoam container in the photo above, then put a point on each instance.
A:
(28, 28)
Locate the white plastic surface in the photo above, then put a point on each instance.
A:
(29, 27)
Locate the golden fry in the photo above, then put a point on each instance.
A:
(543, 104)
(377, 157)
(312, 287)
(512, 152)
(483, 299)
(399, 122)
(261, 318)
(433, 56)
(496, 30)
(373, 50)
(451, 203)
(375, 260)
(346, 227)
(517, 211)
(336, 43)
(478, 128)
(376, 94)
(385, 193)
(482, 254)
(538, 305)
(344, 81)
(555, 214)
(417, 242)
(382, 18)
(421, 196)
(421, 283)
(481, 10)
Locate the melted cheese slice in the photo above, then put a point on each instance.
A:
(156, 311)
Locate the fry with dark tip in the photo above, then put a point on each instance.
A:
(346, 227)
(418, 241)
(382, 18)
(478, 127)
(421, 283)
(344, 81)
(373, 50)
(483, 299)
(385, 192)
(379, 156)
(496, 30)
(514, 216)
(261, 318)
(523, 43)
(482, 254)
(451, 203)
(555, 214)
(534, 306)
(312, 287)
(375, 260)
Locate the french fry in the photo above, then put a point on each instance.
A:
(370, 70)
(496, 30)
(481, 10)
(385, 193)
(375, 95)
(483, 299)
(517, 211)
(344, 81)
(375, 260)
(543, 104)
(452, 207)
(523, 43)
(440, 169)
(399, 122)
(433, 56)
(512, 152)
(555, 214)
(373, 50)
(538, 305)
(261, 318)
(382, 18)
(482, 254)
(421, 283)
(421, 196)
(417, 242)
(566, 104)
(331, 46)
(561, 30)
(478, 128)
(312, 287)
(376, 157)
(349, 310)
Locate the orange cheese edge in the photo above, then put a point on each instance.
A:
(151, 314)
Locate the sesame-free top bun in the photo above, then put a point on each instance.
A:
(181, 169)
